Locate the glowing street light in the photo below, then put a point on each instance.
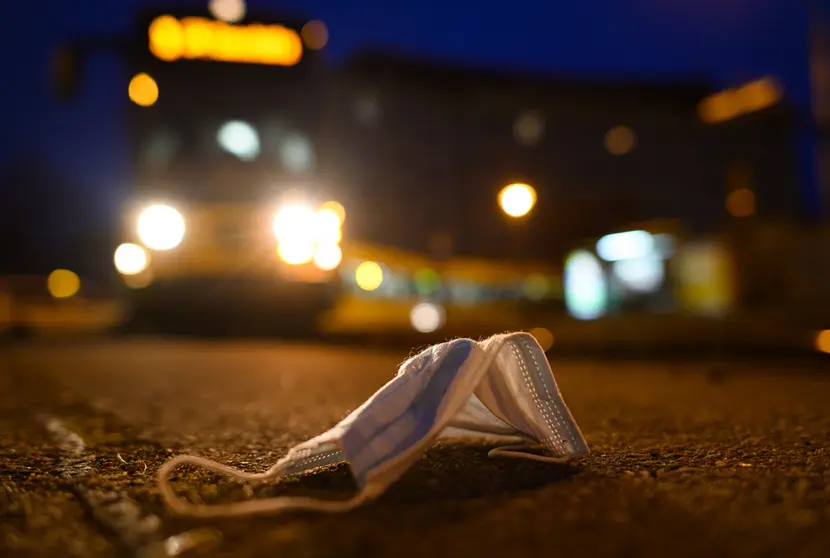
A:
(516, 200)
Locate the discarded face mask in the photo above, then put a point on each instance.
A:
(501, 388)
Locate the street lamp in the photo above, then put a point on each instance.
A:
(516, 200)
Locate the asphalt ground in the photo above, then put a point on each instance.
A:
(726, 458)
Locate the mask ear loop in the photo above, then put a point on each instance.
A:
(251, 507)
(515, 452)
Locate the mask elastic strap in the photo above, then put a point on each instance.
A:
(516, 453)
(268, 505)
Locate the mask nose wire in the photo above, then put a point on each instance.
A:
(515, 451)
(251, 507)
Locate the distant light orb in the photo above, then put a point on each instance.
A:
(167, 39)
(586, 293)
(516, 200)
(625, 245)
(620, 140)
(297, 154)
(644, 274)
(296, 251)
(823, 341)
(741, 202)
(536, 286)
(543, 336)
(328, 257)
(240, 139)
(315, 34)
(327, 227)
(528, 128)
(229, 11)
(161, 227)
(130, 259)
(63, 283)
(335, 207)
(143, 90)
(427, 317)
(369, 276)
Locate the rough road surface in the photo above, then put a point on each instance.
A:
(727, 459)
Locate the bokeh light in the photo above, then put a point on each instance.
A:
(741, 203)
(315, 34)
(167, 40)
(240, 139)
(227, 10)
(327, 227)
(427, 317)
(516, 200)
(328, 257)
(335, 207)
(620, 140)
(63, 283)
(143, 90)
(131, 259)
(296, 251)
(543, 336)
(823, 341)
(586, 293)
(536, 286)
(426, 281)
(161, 227)
(369, 276)
(294, 221)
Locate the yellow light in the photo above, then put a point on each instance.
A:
(315, 34)
(337, 208)
(823, 341)
(296, 251)
(516, 200)
(368, 276)
(167, 40)
(293, 223)
(731, 103)
(543, 336)
(143, 90)
(741, 202)
(131, 259)
(201, 38)
(620, 140)
(161, 227)
(328, 256)
(63, 283)
(327, 227)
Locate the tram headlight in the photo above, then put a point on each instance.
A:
(161, 227)
(304, 233)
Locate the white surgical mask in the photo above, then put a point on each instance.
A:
(501, 389)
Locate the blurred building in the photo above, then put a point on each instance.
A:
(424, 148)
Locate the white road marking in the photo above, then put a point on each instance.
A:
(112, 508)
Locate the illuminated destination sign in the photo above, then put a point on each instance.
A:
(199, 38)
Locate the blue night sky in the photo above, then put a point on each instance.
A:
(727, 41)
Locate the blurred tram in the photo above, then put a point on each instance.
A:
(227, 204)
(391, 291)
